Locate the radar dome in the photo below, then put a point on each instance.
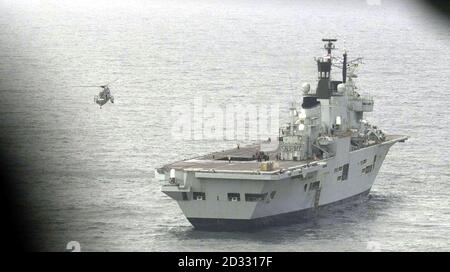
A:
(341, 88)
(305, 88)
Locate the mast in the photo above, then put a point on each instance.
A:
(344, 67)
(324, 70)
(329, 46)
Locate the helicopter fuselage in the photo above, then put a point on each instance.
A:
(103, 97)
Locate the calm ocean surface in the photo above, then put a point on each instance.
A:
(87, 173)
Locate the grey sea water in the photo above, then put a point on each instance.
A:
(87, 173)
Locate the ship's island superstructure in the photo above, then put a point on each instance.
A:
(327, 153)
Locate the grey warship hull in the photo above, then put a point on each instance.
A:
(301, 216)
(326, 154)
(290, 193)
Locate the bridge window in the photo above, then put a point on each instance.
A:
(234, 197)
(199, 195)
(255, 197)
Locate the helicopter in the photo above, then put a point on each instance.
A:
(104, 95)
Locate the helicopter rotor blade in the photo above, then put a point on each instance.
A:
(110, 82)
(97, 86)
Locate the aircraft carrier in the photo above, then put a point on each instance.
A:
(327, 153)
